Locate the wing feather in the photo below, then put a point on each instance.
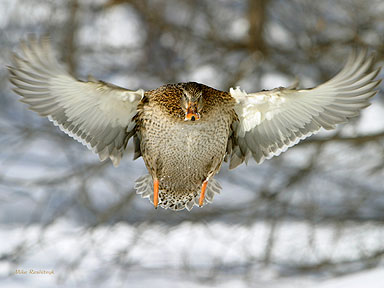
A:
(97, 114)
(272, 121)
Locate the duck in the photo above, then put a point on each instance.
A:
(185, 131)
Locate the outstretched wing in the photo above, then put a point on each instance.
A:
(97, 114)
(272, 121)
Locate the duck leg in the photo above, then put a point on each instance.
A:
(155, 192)
(202, 193)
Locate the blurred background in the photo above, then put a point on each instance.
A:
(312, 217)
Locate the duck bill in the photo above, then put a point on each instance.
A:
(191, 113)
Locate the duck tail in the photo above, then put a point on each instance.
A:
(144, 187)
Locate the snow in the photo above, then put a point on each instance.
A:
(205, 74)
(108, 29)
(215, 254)
(372, 119)
(371, 279)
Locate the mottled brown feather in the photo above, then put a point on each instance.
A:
(182, 154)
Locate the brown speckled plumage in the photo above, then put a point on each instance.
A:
(182, 154)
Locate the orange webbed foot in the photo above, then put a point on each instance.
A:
(155, 192)
(202, 194)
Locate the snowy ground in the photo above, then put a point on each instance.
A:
(186, 255)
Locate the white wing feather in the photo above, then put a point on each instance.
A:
(272, 121)
(97, 114)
